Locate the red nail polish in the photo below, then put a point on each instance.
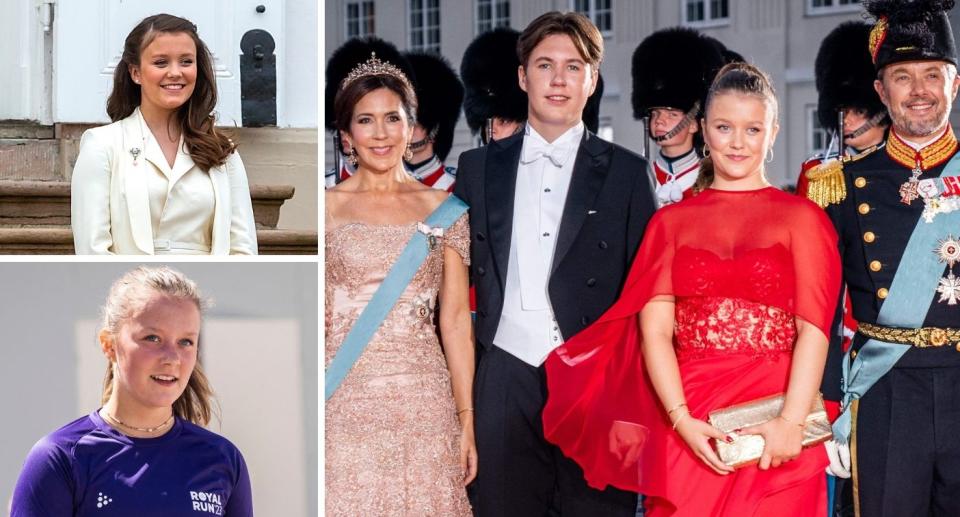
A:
(729, 439)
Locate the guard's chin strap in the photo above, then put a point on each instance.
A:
(487, 135)
(687, 119)
(867, 126)
(429, 139)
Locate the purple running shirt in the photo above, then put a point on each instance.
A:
(88, 469)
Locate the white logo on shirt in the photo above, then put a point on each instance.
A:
(207, 502)
(103, 500)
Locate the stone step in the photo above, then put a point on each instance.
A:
(58, 240)
(30, 159)
(43, 203)
(25, 129)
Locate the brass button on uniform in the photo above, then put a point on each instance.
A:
(875, 266)
(869, 237)
(853, 354)
(864, 209)
(958, 347)
(860, 182)
(882, 293)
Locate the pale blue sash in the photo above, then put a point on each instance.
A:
(906, 306)
(386, 296)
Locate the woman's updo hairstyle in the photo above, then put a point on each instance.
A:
(742, 78)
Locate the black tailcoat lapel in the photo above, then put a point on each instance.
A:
(503, 159)
(589, 173)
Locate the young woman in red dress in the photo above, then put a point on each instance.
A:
(729, 300)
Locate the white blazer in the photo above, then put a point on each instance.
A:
(109, 198)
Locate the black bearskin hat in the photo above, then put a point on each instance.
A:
(591, 112)
(489, 73)
(351, 54)
(917, 30)
(845, 74)
(673, 68)
(729, 56)
(439, 96)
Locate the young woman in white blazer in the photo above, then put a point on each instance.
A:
(161, 179)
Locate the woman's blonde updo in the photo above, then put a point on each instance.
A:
(742, 78)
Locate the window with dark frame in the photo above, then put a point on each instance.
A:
(600, 13)
(705, 11)
(819, 137)
(492, 14)
(425, 26)
(360, 19)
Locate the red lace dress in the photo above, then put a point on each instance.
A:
(741, 266)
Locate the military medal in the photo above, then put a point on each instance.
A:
(940, 196)
(948, 251)
(910, 189)
(432, 234)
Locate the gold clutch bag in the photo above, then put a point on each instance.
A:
(747, 449)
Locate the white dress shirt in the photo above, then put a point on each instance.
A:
(527, 328)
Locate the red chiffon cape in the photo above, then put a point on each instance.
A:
(761, 247)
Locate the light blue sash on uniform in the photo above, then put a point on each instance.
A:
(386, 296)
(906, 306)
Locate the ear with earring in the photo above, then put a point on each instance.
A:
(352, 157)
(706, 151)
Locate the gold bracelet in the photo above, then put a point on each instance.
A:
(787, 420)
(678, 406)
(677, 421)
(464, 410)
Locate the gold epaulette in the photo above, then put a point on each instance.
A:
(826, 183)
(827, 186)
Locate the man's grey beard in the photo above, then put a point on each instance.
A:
(919, 128)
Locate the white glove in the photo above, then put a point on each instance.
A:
(839, 459)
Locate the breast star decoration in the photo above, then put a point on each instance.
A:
(948, 251)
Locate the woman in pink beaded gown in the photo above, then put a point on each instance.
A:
(729, 300)
(399, 428)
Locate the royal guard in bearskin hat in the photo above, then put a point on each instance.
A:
(493, 103)
(897, 214)
(341, 62)
(439, 96)
(847, 102)
(672, 71)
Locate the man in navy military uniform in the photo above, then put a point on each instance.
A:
(897, 214)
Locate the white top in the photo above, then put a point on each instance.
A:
(527, 328)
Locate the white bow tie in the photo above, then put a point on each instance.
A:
(533, 151)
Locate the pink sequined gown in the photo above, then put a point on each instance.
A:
(392, 434)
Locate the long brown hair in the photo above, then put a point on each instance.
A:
(126, 297)
(208, 146)
(735, 77)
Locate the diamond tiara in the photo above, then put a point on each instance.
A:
(374, 66)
